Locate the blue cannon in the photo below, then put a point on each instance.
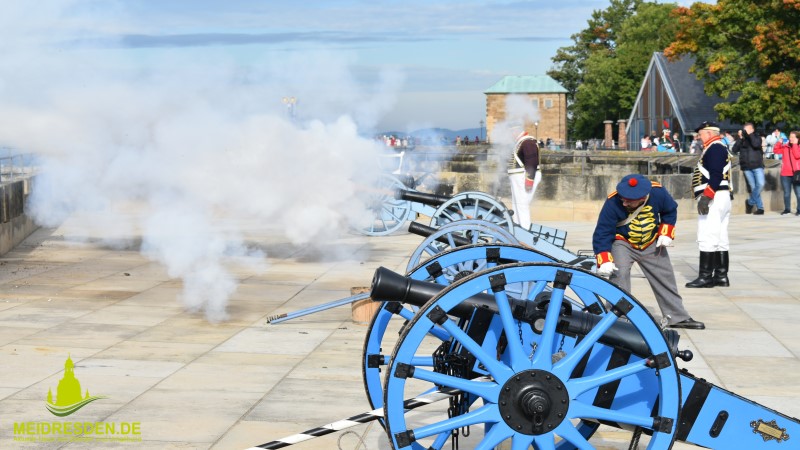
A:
(542, 353)
(534, 353)
(394, 202)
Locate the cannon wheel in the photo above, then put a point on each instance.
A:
(473, 205)
(455, 264)
(477, 231)
(533, 399)
(387, 213)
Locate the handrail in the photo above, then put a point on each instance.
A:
(14, 166)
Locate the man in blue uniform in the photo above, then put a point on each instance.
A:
(637, 224)
(711, 187)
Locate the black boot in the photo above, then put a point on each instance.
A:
(705, 278)
(721, 269)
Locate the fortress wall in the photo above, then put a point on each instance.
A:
(15, 225)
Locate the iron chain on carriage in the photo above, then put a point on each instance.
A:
(448, 362)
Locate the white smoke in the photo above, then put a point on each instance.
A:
(520, 115)
(184, 148)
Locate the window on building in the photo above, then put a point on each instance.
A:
(548, 103)
(535, 102)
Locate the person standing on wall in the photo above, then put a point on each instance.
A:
(636, 225)
(751, 158)
(524, 175)
(711, 187)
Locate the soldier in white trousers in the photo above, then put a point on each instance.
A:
(524, 175)
(711, 187)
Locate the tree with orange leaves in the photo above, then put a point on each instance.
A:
(748, 52)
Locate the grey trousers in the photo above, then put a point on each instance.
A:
(657, 268)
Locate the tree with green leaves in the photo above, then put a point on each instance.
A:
(599, 35)
(747, 51)
(604, 69)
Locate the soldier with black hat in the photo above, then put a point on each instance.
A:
(711, 187)
(637, 224)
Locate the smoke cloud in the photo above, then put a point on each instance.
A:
(521, 114)
(181, 148)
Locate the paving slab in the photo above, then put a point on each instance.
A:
(192, 384)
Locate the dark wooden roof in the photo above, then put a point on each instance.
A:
(692, 104)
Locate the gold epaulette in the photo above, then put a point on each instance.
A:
(656, 184)
(612, 194)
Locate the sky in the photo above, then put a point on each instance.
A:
(430, 60)
(160, 126)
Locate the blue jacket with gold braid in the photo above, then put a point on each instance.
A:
(656, 218)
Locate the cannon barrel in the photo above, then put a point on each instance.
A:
(425, 231)
(421, 197)
(391, 286)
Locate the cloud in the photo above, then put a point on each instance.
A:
(215, 39)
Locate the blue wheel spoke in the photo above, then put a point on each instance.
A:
(499, 371)
(392, 214)
(488, 390)
(523, 441)
(519, 360)
(441, 279)
(436, 331)
(571, 434)
(586, 296)
(450, 270)
(542, 359)
(499, 433)
(484, 414)
(449, 216)
(440, 440)
(474, 237)
(431, 249)
(537, 289)
(545, 442)
(581, 385)
(490, 212)
(564, 367)
(422, 361)
(578, 410)
(460, 209)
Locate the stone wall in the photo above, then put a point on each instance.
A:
(575, 184)
(15, 225)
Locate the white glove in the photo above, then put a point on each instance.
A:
(664, 241)
(606, 269)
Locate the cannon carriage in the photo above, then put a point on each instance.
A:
(395, 201)
(560, 352)
(533, 353)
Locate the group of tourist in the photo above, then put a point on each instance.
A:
(465, 141)
(667, 142)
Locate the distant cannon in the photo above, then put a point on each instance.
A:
(393, 202)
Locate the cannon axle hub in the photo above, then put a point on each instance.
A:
(533, 402)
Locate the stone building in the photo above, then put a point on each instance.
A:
(671, 97)
(547, 98)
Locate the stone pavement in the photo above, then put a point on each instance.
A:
(190, 384)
